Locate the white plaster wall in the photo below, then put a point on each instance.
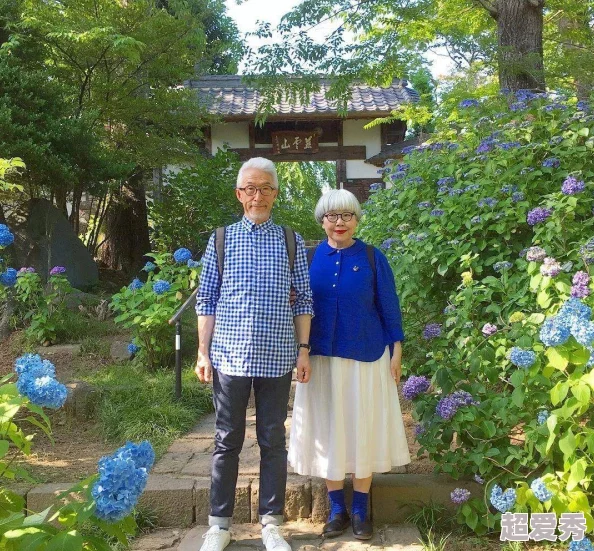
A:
(355, 134)
(235, 134)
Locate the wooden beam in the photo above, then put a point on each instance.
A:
(326, 153)
(252, 135)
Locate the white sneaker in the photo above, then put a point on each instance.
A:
(215, 539)
(273, 539)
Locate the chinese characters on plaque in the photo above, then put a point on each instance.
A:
(294, 142)
(514, 527)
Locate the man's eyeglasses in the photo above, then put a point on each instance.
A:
(333, 217)
(250, 191)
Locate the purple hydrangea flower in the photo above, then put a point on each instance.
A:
(572, 185)
(580, 291)
(550, 267)
(26, 270)
(460, 495)
(484, 147)
(537, 215)
(431, 331)
(489, 329)
(57, 270)
(581, 278)
(465, 103)
(414, 386)
(437, 212)
(420, 429)
(535, 254)
(478, 479)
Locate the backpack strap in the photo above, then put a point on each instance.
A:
(371, 258)
(310, 254)
(220, 249)
(291, 244)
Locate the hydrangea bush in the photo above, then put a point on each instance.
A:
(490, 230)
(146, 306)
(105, 500)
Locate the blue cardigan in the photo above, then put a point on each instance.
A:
(349, 321)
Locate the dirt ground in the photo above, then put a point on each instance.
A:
(80, 444)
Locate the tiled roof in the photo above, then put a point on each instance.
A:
(229, 97)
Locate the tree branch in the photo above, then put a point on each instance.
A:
(490, 7)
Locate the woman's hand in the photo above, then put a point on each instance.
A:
(396, 362)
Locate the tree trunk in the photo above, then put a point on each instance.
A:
(126, 228)
(519, 37)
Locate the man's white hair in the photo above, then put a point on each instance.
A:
(260, 163)
(337, 199)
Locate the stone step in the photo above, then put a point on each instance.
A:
(177, 501)
(302, 535)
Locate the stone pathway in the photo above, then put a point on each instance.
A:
(302, 535)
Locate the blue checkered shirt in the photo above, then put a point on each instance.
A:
(254, 332)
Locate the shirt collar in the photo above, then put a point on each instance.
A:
(251, 226)
(356, 247)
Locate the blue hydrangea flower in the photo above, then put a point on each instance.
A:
(448, 406)
(475, 220)
(44, 391)
(502, 501)
(487, 202)
(437, 212)
(161, 286)
(414, 386)
(446, 181)
(34, 366)
(398, 175)
(9, 277)
(583, 332)
(554, 333)
(522, 358)
(465, 103)
(582, 106)
(573, 312)
(182, 255)
(133, 348)
(537, 215)
(122, 479)
(373, 187)
(460, 495)
(517, 197)
(581, 545)
(518, 106)
(541, 492)
(135, 284)
(403, 167)
(542, 416)
(149, 267)
(551, 162)
(556, 140)
(424, 205)
(501, 266)
(194, 263)
(387, 243)
(6, 236)
(555, 107)
(506, 146)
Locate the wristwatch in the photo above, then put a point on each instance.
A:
(304, 345)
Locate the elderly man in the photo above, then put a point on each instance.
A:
(246, 331)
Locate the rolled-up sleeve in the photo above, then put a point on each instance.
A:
(388, 303)
(300, 281)
(209, 288)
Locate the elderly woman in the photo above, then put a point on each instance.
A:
(347, 419)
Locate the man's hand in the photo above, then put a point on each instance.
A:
(396, 368)
(292, 297)
(203, 368)
(303, 367)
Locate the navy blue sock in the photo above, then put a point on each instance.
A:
(337, 504)
(360, 504)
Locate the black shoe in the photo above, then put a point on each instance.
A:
(362, 528)
(336, 526)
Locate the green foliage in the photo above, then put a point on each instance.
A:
(301, 185)
(459, 208)
(147, 312)
(138, 406)
(195, 201)
(7, 168)
(38, 531)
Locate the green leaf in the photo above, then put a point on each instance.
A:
(98, 544)
(489, 428)
(582, 393)
(518, 397)
(37, 518)
(567, 445)
(576, 475)
(585, 131)
(4, 445)
(66, 541)
(559, 392)
(32, 542)
(557, 360)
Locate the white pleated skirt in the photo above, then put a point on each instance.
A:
(347, 419)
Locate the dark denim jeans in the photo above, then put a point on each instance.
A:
(230, 396)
